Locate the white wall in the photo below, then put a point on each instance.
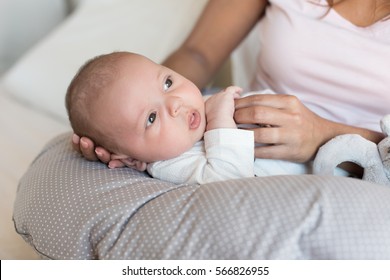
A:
(23, 23)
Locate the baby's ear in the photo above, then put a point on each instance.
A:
(130, 162)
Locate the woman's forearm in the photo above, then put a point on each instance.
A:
(191, 64)
(220, 29)
(333, 129)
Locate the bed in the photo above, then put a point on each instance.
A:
(57, 205)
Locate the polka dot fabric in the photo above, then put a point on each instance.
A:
(69, 208)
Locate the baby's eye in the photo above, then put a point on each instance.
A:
(168, 83)
(152, 117)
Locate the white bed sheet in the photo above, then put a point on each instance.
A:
(24, 131)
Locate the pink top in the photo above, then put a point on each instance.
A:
(338, 70)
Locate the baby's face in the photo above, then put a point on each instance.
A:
(153, 112)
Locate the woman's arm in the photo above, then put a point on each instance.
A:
(220, 29)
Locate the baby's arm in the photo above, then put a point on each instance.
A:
(220, 108)
(224, 154)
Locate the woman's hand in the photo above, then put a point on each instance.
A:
(291, 130)
(86, 147)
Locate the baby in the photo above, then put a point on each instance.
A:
(154, 119)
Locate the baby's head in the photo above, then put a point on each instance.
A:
(135, 108)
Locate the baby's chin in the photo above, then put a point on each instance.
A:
(186, 144)
(181, 150)
(200, 131)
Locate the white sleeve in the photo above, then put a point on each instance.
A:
(224, 154)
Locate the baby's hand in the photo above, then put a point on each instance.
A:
(220, 108)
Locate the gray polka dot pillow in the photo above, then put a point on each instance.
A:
(69, 208)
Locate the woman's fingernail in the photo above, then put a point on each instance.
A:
(98, 153)
(83, 143)
(75, 139)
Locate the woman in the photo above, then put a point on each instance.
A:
(329, 60)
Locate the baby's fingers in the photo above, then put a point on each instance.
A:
(235, 90)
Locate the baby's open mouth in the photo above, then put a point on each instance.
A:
(194, 120)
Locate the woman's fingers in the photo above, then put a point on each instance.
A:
(87, 149)
(261, 115)
(289, 130)
(103, 155)
(273, 152)
(268, 135)
(278, 101)
(85, 146)
(278, 143)
(116, 163)
(266, 109)
(76, 142)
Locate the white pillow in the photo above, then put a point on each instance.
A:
(153, 28)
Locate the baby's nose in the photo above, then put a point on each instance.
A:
(174, 105)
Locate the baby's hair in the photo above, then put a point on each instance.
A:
(89, 83)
